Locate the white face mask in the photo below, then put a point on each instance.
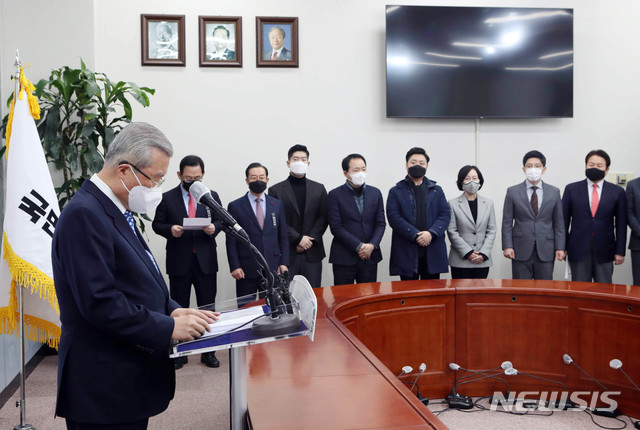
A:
(533, 174)
(299, 167)
(143, 199)
(471, 187)
(358, 179)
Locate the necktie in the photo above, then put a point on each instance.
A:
(274, 56)
(595, 200)
(534, 201)
(192, 207)
(129, 218)
(259, 213)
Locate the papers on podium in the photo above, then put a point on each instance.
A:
(234, 319)
(195, 223)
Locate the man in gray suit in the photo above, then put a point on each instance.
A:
(533, 232)
(633, 218)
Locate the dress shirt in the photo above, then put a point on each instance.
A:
(252, 200)
(538, 192)
(590, 189)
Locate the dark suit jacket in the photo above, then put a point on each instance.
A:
(271, 242)
(113, 363)
(608, 228)
(633, 213)
(401, 213)
(171, 211)
(314, 218)
(350, 228)
(521, 230)
(285, 55)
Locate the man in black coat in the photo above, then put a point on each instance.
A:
(191, 254)
(305, 207)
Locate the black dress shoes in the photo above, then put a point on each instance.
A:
(209, 359)
(179, 362)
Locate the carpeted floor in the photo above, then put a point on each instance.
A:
(201, 400)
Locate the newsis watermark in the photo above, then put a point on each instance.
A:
(555, 401)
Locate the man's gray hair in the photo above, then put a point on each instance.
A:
(134, 143)
(277, 27)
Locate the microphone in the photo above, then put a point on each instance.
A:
(405, 370)
(422, 368)
(604, 412)
(203, 196)
(459, 401)
(559, 403)
(617, 364)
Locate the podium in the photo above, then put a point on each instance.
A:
(303, 304)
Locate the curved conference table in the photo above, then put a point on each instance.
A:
(365, 334)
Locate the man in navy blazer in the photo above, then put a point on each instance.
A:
(118, 320)
(419, 215)
(262, 217)
(595, 216)
(356, 219)
(191, 254)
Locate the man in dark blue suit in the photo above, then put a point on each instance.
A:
(595, 216)
(262, 217)
(419, 215)
(191, 254)
(356, 218)
(118, 320)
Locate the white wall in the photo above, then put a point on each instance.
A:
(48, 34)
(335, 101)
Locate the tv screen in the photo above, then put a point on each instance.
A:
(479, 62)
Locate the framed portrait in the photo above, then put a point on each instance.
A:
(162, 40)
(220, 41)
(277, 41)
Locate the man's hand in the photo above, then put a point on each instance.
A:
(190, 324)
(299, 249)
(424, 238)
(618, 259)
(560, 255)
(209, 230)
(237, 274)
(282, 268)
(305, 243)
(177, 230)
(509, 253)
(365, 251)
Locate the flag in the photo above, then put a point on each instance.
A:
(31, 213)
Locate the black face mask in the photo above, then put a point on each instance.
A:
(594, 174)
(417, 171)
(257, 187)
(187, 184)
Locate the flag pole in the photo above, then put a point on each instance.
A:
(21, 402)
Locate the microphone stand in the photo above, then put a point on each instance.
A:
(282, 320)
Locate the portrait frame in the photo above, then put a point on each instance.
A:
(169, 52)
(233, 25)
(264, 24)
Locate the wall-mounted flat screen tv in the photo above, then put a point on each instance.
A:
(479, 62)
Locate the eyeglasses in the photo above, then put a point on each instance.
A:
(155, 183)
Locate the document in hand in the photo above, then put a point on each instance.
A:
(195, 223)
(233, 319)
